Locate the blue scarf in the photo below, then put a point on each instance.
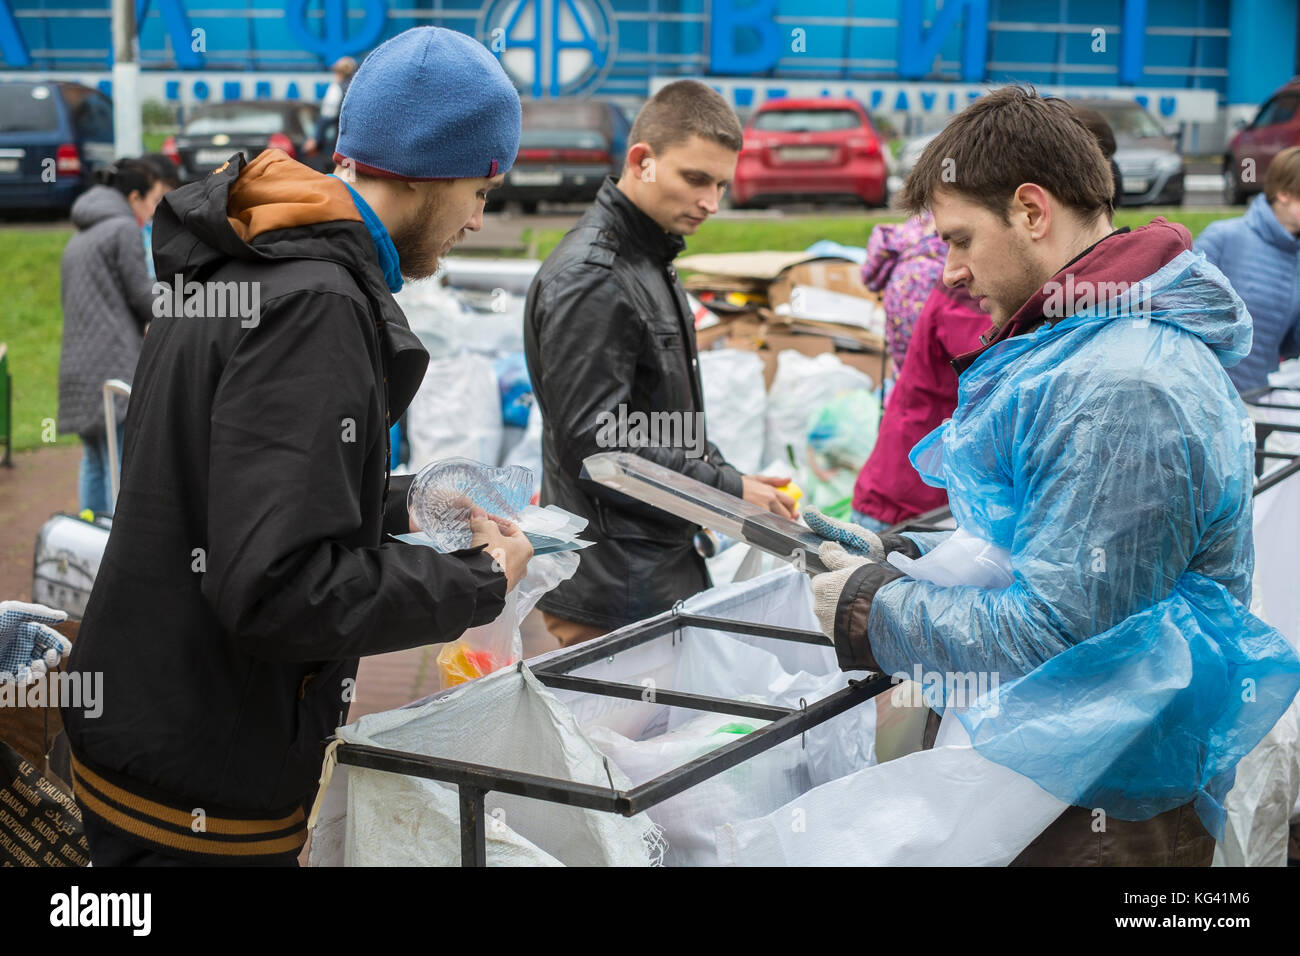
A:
(383, 242)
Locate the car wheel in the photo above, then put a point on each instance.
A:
(529, 207)
(1233, 194)
(883, 201)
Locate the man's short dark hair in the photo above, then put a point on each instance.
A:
(684, 109)
(1097, 125)
(1004, 139)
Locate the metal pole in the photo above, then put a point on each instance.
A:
(114, 386)
(127, 138)
(473, 835)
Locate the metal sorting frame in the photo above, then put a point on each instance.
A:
(1255, 399)
(474, 781)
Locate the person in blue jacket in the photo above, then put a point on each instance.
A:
(1100, 457)
(1260, 254)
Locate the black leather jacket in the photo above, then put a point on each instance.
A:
(607, 325)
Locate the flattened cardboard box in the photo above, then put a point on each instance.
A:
(751, 331)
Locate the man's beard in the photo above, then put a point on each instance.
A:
(417, 249)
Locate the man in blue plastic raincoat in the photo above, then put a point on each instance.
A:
(1101, 455)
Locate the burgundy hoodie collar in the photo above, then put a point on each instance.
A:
(1122, 256)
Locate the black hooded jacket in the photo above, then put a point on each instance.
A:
(248, 567)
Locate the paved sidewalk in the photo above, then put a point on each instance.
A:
(39, 484)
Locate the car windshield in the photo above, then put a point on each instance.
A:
(806, 121)
(1129, 122)
(234, 120)
(27, 109)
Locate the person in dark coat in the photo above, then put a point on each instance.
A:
(105, 288)
(1096, 124)
(610, 343)
(250, 563)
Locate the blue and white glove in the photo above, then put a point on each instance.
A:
(28, 645)
(855, 538)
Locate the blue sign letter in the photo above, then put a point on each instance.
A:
(724, 58)
(917, 51)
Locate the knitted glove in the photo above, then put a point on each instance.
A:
(828, 587)
(28, 646)
(855, 538)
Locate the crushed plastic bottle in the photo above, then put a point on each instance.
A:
(444, 492)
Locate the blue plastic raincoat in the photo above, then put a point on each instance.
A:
(1110, 454)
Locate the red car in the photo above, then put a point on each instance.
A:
(810, 149)
(1275, 127)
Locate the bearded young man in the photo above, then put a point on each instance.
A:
(1099, 447)
(609, 337)
(249, 566)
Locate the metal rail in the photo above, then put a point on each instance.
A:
(475, 781)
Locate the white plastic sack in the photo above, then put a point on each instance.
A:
(1267, 786)
(448, 321)
(456, 413)
(507, 720)
(943, 807)
(645, 738)
(528, 450)
(751, 789)
(735, 400)
(802, 385)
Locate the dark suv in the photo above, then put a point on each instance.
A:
(1275, 127)
(53, 137)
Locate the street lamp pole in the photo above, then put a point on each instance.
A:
(127, 139)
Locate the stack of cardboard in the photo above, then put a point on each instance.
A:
(770, 301)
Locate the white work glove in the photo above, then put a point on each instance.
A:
(28, 645)
(856, 539)
(828, 587)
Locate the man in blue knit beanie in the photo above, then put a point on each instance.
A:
(252, 560)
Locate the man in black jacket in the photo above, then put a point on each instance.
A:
(610, 342)
(248, 567)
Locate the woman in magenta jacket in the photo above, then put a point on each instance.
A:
(888, 489)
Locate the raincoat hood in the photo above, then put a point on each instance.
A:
(99, 203)
(271, 208)
(1264, 223)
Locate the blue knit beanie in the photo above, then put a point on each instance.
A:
(430, 103)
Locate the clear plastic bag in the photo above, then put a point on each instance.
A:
(443, 494)
(961, 559)
(482, 650)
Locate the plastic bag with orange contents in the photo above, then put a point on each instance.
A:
(482, 650)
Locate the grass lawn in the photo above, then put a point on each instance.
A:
(796, 233)
(31, 323)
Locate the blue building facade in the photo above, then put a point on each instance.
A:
(1186, 51)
